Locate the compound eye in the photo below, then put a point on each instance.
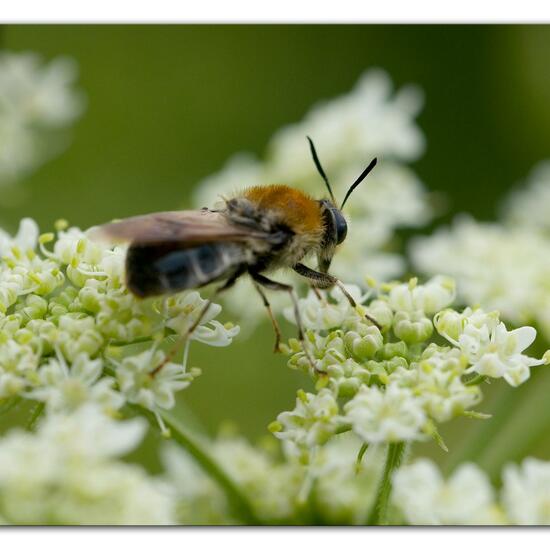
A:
(341, 227)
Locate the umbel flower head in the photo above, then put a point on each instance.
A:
(500, 265)
(68, 472)
(37, 101)
(396, 381)
(67, 323)
(276, 483)
(423, 497)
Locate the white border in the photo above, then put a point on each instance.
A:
(274, 11)
(276, 538)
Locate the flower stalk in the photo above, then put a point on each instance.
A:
(238, 501)
(378, 513)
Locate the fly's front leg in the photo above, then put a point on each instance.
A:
(274, 285)
(274, 322)
(324, 280)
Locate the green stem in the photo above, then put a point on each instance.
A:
(504, 403)
(343, 429)
(8, 404)
(379, 509)
(35, 415)
(528, 425)
(360, 455)
(197, 449)
(476, 380)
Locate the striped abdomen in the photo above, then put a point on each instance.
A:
(152, 270)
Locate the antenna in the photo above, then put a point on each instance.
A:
(363, 175)
(320, 168)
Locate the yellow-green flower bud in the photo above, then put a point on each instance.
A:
(412, 328)
(365, 345)
(394, 349)
(449, 323)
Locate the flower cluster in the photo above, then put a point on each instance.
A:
(333, 490)
(369, 121)
(527, 206)
(336, 489)
(37, 101)
(68, 472)
(396, 381)
(499, 265)
(272, 486)
(423, 497)
(495, 266)
(70, 332)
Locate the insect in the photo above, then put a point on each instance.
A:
(256, 232)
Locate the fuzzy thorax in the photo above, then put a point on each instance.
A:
(274, 207)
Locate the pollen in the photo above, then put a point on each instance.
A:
(299, 211)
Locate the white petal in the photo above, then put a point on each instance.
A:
(524, 337)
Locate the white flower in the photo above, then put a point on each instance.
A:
(451, 324)
(498, 267)
(344, 493)
(429, 298)
(139, 385)
(425, 498)
(311, 423)
(325, 314)
(64, 388)
(528, 206)
(36, 101)
(25, 239)
(490, 348)
(392, 415)
(368, 121)
(183, 311)
(502, 356)
(89, 432)
(272, 486)
(67, 473)
(18, 363)
(436, 379)
(200, 501)
(526, 492)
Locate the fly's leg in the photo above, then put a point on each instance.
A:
(324, 280)
(274, 322)
(274, 285)
(189, 331)
(318, 295)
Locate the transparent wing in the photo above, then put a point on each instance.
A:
(187, 227)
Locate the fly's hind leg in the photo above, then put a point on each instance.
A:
(189, 331)
(324, 280)
(274, 285)
(272, 318)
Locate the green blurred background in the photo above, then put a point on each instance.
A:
(167, 105)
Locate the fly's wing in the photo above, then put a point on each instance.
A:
(186, 227)
(173, 251)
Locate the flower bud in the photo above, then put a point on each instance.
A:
(412, 328)
(449, 323)
(365, 345)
